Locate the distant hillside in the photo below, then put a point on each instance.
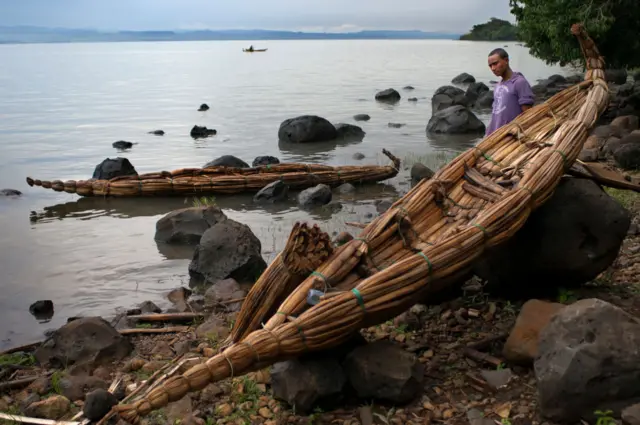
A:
(25, 34)
(494, 30)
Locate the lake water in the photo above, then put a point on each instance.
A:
(63, 105)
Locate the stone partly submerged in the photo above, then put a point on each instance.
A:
(424, 243)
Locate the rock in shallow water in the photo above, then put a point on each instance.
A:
(187, 225)
(317, 195)
(110, 168)
(455, 119)
(227, 161)
(306, 128)
(10, 192)
(273, 192)
(228, 249)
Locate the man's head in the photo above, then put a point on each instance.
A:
(499, 61)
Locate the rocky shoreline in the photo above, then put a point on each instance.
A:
(544, 331)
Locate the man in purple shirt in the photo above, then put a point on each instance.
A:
(511, 96)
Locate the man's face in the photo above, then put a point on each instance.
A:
(498, 65)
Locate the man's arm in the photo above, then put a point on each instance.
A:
(526, 98)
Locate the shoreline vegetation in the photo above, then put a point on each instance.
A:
(493, 30)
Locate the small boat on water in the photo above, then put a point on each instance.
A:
(254, 50)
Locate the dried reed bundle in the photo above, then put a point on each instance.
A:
(305, 250)
(423, 243)
(225, 180)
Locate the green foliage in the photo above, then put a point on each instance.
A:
(545, 25)
(19, 359)
(495, 29)
(204, 201)
(604, 418)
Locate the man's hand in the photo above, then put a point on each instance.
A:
(525, 107)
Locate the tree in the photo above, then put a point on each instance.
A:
(495, 29)
(545, 25)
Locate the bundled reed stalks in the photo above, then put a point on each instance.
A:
(224, 180)
(305, 250)
(423, 243)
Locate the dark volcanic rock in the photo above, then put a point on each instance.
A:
(76, 387)
(306, 128)
(455, 120)
(559, 244)
(223, 291)
(627, 156)
(484, 101)
(228, 249)
(349, 132)
(420, 171)
(157, 132)
(98, 403)
(148, 307)
(617, 76)
(42, 309)
(110, 168)
(10, 192)
(588, 360)
(86, 340)
(273, 192)
(474, 91)
(202, 131)
(388, 95)
(203, 107)
(464, 78)
(187, 225)
(303, 383)
(447, 96)
(408, 88)
(227, 161)
(265, 160)
(122, 144)
(384, 371)
(317, 195)
(361, 117)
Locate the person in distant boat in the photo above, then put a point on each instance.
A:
(511, 96)
(251, 48)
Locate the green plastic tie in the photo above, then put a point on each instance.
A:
(484, 231)
(562, 154)
(359, 298)
(423, 255)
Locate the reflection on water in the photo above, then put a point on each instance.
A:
(94, 255)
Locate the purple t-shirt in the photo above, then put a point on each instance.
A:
(508, 96)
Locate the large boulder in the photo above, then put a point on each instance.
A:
(475, 90)
(227, 161)
(110, 168)
(273, 192)
(265, 160)
(307, 128)
(317, 195)
(349, 132)
(559, 244)
(627, 156)
(228, 249)
(617, 76)
(463, 78)
(305, 383)
(455, 120)
(418, 172)
(484, 101)
(446, 96)
(88, 340)
(187, 225)
(588, 360)
(384, 371)
(388, 95)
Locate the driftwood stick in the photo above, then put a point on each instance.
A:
(482, 357)
(166, 317)
(17, 382)
(168, 330)
(38, 421)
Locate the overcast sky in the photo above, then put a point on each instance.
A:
(324, 15)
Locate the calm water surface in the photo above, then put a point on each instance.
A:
(62, 105)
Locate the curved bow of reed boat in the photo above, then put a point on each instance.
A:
(421, 244)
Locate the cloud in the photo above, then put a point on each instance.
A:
(331, 15)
